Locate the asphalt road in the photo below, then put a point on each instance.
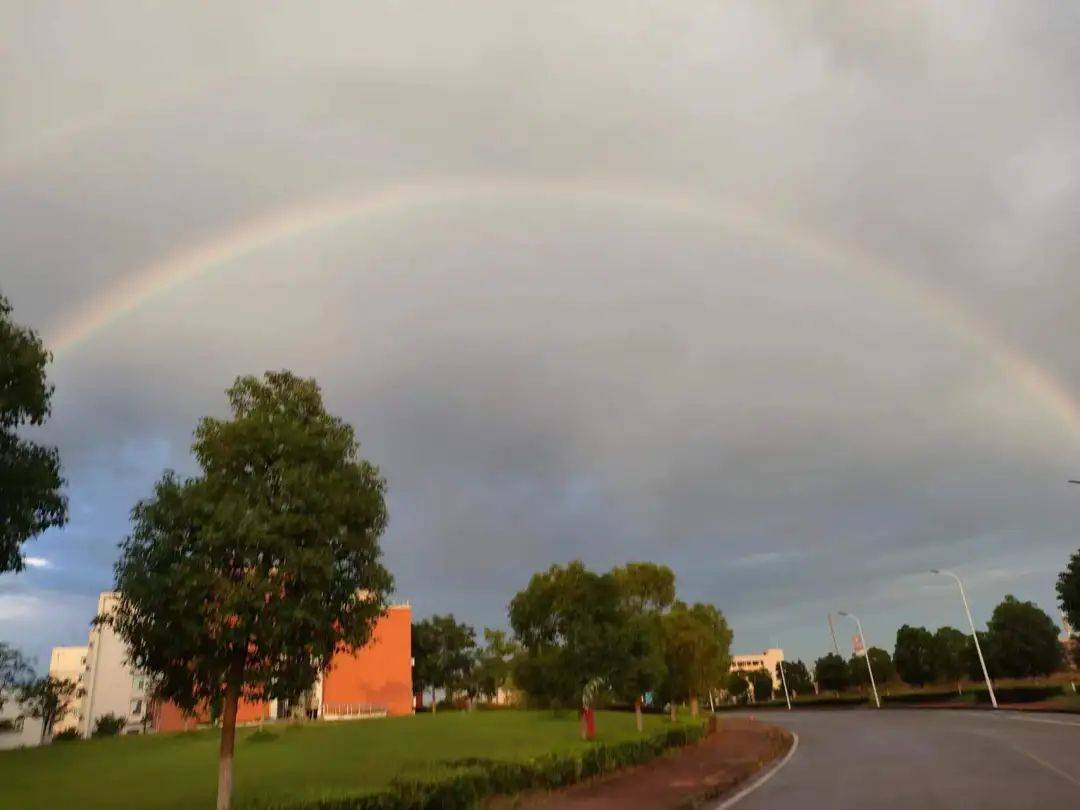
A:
(908, 758)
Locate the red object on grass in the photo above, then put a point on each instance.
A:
(590, 724)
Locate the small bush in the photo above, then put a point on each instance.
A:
(109, 725)
(66, 735)
(923, 697)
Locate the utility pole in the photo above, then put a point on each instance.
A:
(832, 631)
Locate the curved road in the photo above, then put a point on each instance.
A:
(907, 758)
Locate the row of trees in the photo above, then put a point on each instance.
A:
(1020, 641)
(621, 634)
(447, 657)
(47, 699)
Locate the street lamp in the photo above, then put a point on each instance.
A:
(866, 653)
(974, 635)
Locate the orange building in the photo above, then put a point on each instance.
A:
(373, 681)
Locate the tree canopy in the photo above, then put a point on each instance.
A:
(880, 660)
(1068, 591)
(49, 700)
(913, 655)
(762, 683)
(444, 651)
(831, 672)
(697, 642)
(30, 482)
(494, 662)
(645, 586)
(797, 677)
(242, 582)
(1023, 640)
(950, 654)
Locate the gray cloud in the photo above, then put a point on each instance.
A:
(549, 378)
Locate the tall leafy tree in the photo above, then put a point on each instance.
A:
(880, 660)
(1023, 640)
(1068, 591)
(762, 683)
(798, 677)
(242, 582)
(494, 661)
(913, 655)
(697, 645)
(455, 645)
(15, 671)
(424, 651)
(571, 624)
(49, 700)
(831, 673)
(950, 654)
(30, 482)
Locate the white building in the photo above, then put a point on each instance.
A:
(766, 660)
(112, 686)
(69, 664)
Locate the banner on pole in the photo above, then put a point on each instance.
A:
(856, 645)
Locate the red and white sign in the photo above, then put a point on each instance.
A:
(856, 645)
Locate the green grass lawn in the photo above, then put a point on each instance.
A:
(296, 762)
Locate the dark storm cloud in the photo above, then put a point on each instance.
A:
(542, 381)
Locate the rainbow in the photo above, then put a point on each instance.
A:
(401, 199)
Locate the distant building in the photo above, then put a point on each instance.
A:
(373, 681)
(112, 685)
(766, 660)
(69, 664)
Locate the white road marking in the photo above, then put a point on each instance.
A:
(1047, 765)
(761, 780)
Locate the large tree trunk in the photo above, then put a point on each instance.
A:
(693, 705)
(674, 712)
(637, 715)
(225, 753)
(434, 701)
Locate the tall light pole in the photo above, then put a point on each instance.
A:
(866, 653)
(974, 635)
(783, 679)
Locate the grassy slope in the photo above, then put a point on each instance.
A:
(321, 759)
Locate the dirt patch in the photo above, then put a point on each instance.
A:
(740, 747)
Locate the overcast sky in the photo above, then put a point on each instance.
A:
(785, 295)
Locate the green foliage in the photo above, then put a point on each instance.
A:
(1068, 591)
(572, 627)
(67, 735)
(798, 677)
(831, 672)
(443, 649)
(30, 498)
(1021, 694)
(14, 671)
(246, 579)
(1023, 641)
(914, 655)
(737, 686)
(697, 644)
(950, 654)
(493, 662)
(48, 699)
(645, 586)
(762, 683)
(880, 660)
(108, 725)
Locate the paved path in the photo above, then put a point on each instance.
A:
(908, 758)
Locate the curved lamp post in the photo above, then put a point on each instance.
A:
(974, 635)
(866, 654)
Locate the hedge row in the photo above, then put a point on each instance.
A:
(1021, 694)
(470, 780)
(925, 697)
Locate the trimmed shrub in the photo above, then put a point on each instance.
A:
(925, 697)
(66, 735)
(1021, 694)
(109, 725)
